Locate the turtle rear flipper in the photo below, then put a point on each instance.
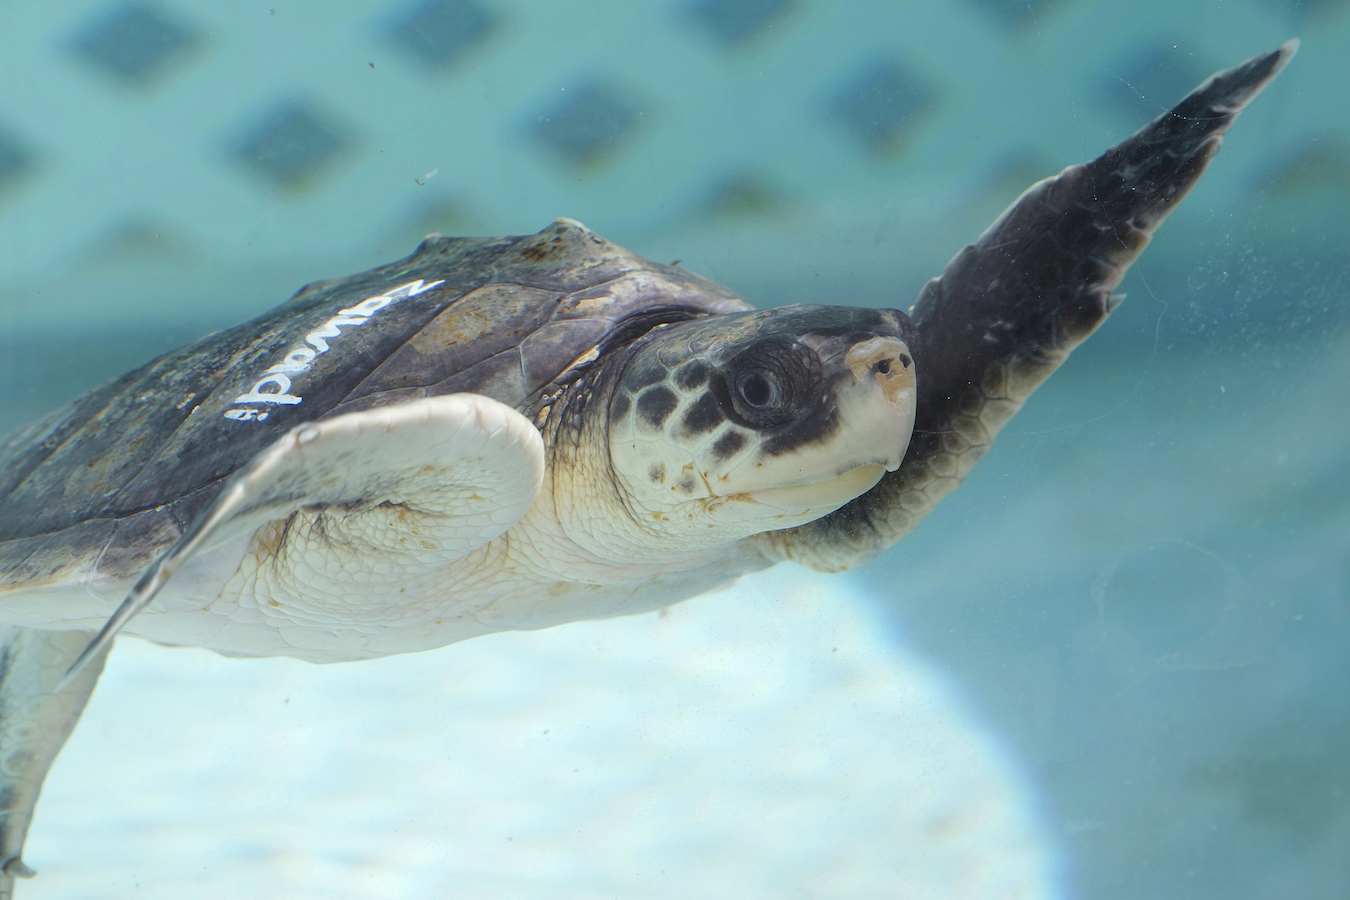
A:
(415, 485)
(1009, 308)
(37, 714)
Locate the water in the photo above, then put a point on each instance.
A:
(1110, 666)
(775, 742)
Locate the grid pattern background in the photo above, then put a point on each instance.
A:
(863, 141)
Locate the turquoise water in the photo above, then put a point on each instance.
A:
(1136, 606)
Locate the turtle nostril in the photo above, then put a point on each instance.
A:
(884, 361)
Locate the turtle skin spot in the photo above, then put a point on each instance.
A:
(646, 375)
(728, 444)
(656, 404)
(619, 410)
(692, 375)
(703, 416)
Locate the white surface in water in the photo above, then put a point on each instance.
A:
(774, 741)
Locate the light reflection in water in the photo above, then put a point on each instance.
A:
(775, 740)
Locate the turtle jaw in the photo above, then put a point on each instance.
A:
(822, 497)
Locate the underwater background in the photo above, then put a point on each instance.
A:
(1113, 665)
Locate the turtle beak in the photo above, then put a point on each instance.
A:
(885, 360)
(879, 397)
(882, 394)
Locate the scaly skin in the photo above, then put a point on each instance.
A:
(1009, 309)
(38, 717)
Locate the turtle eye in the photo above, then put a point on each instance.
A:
(758, 389)
(767, 382)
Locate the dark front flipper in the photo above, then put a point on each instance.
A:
(1009, 308)
(36, 717)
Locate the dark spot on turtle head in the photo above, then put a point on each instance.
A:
(658, 473)
(692, 375)
(686, 486)
(644, 375)
(619, 408)
(728, 444)
(819, 425)
(703, 416)
(656, 404)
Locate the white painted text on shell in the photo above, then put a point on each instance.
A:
(275, 385)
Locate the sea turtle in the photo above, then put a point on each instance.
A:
(508, 433)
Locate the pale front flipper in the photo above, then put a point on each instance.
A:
(37, 714)
(419, 484)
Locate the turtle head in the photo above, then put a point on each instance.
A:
(731, 425)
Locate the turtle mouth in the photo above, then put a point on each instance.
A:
(826, 495)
